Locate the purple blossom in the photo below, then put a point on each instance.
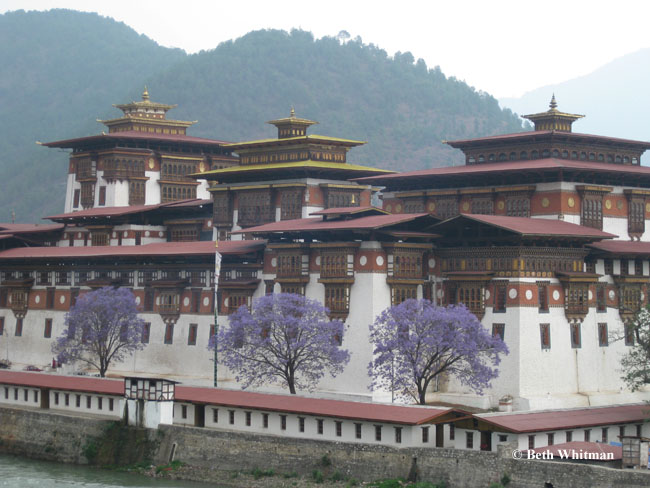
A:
(102, 327)
(286, 338)
(416, 341)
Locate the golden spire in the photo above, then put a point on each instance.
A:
(553, 103)
(292, 113)
(145, 94)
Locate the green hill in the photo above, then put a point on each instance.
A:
(64, 69)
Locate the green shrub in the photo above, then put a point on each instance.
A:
(325, 460)
(317, 475)
(505, 479)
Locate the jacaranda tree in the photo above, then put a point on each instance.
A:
(103, 326)
(636, 362)
(286, 338)
(417, 341)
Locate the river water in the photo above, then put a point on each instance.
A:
(26, 473)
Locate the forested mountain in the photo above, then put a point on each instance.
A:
(63, 69)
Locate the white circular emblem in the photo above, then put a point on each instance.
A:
(114, 235)
(209, 224)
(137, 300)
(556, 295)
(317, 260)
(225, 302)
(147, 233)
(529, 295)
(157, 300)
(274, 262)
(125, 233)
(37, 299)
(440, 293)
(612, 294)
(379, 261)
(591, 295)
(62, 299)
(78, 235)
(642, 296)
(363, 260)
(432, 263)
(512, 293)
(186, 301)
(206, 301)
(487, 294)
(161, 234)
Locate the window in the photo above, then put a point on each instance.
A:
(425, 435)
(605, 435)
(482, 206)
(638, 430)
(319, 426)
(531, 442)
(26, 394)
(67, 399)
(636, 216)
(337, 298)
(15, 393)
(88, 401)
(621, 432)
(587, 435)
(19, 328)
(592, 211)
(469, 440)
(603, 336)
(301, 424)
(542, 292)
(249, 416)
(2, 325)
(75, 200)
(471, 295)
(503, 438)
(601, 300)
(110, 404)
(452, 432)
(357, 431)
(339, 428)
(550, 439)
(401, 293)
(545, 335)
(184, 411)
(148, 299)
(569, 435)
(609, 266)
(191, 336)
(291, 205)
(146, 332)
(77, 401)
(102, 196)
(49, 299)
(35, 396)
(231, 417)
(215, 415)
(638, 267)
(498, 330)
(265, 420)
(100, 403)
(500, 298)
(629, 334)
(169, 333)
(378, 433)
(47, 332)
(398, 435)
(576, 340)
(56, 396)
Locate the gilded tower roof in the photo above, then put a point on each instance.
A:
(553, 119)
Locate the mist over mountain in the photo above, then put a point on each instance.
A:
(63, 69)
(614, 98)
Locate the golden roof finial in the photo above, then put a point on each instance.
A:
(292, 113)
(145, 94)
(553, 103)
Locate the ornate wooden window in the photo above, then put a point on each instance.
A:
(100, 238)
(545, 335)
(406, 264)
(221, 208)
(137, 193)
(171, 192)
(592, 211)
(518, 206)
(184, 233)
(636, 216)
(499, 330)
(483, 206)
(576, 337)
(86, 169)
(630, 298)
(337, 298)
(343, 198)
(542, 293)
(601, 299)
(236, 300)
(62, 278)
(447, 207)
(19, 298)
(500, 293)
(577, 299)
(400, 293)
(603, 335)
(609, 267)
(255, 208)
(414, 205)
(291, 204)
(169, 302)
(191, 334)
(87, 194)
(43, 278)
(171, 170)
(198, 277)
(638, 267)
(471, 295)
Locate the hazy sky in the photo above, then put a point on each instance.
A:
(504, 47)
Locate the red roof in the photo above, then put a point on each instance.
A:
(28, 228)
(530, 226)
(131, 134)
(126, 210)
(567, 419)
(311, 406)
(623, 247)
(581, 450)
(60, 382)
(508, 167)
(535, 134)
(317, 224)
(157, 249)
